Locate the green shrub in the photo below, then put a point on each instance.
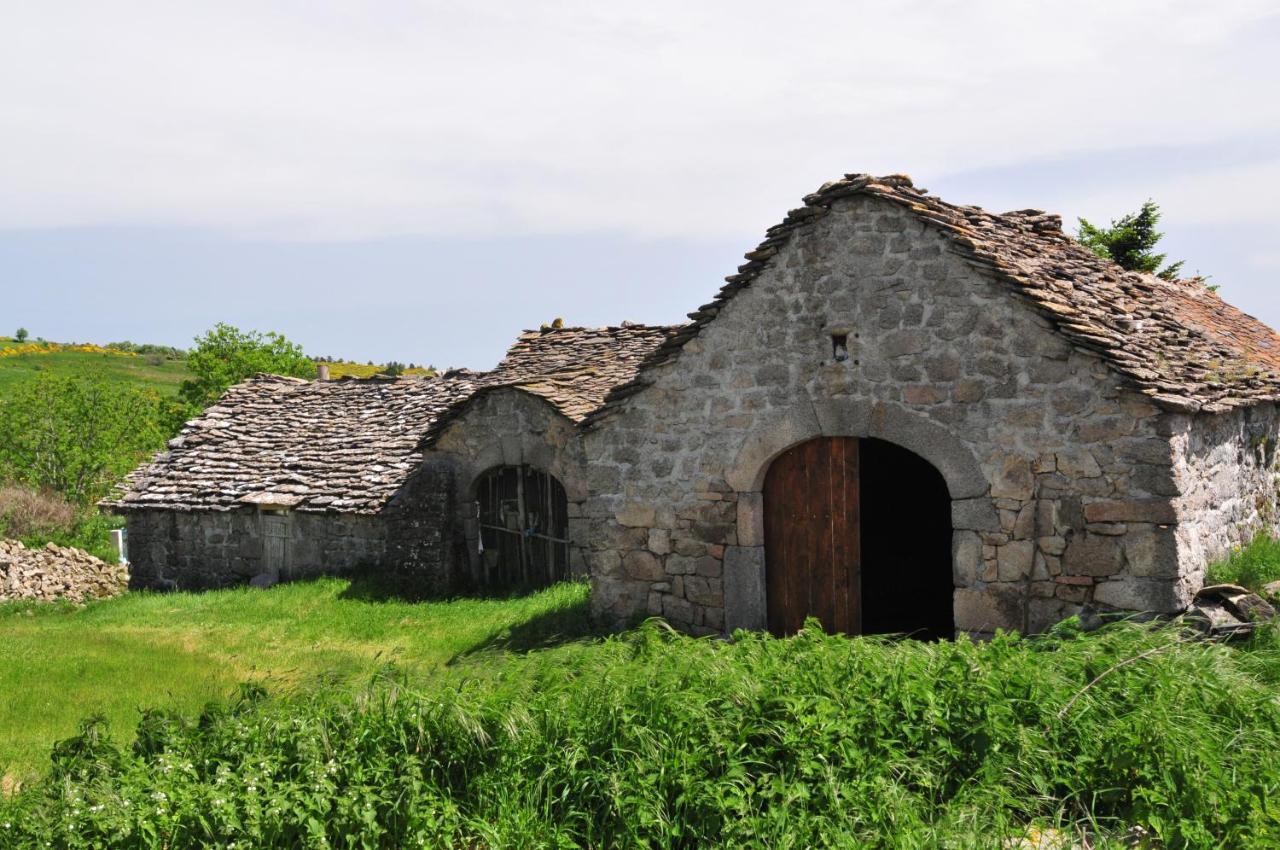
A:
(90, 532)
(652, 739)
(226, 355)
(77, 436)
(1252, 566)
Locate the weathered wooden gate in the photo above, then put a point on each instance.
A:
(523, 528)
(275, 544)
(812, 537)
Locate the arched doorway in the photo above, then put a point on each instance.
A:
(523, 514)
(858, 534)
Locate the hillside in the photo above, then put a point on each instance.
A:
(22, 360)
(150, 371)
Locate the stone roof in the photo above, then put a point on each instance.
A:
(1176, 341)
(348, 445)
(575, 368)
(344, 445)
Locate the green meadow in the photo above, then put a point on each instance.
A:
(61, 663)
(143, 371)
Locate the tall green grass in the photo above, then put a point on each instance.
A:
(1252, 566)
(652, 739)
(59, 663)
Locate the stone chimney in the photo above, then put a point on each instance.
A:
(322, 371)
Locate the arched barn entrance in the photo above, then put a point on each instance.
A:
(523, 515)
(857, 533)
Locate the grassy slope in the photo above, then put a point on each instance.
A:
(364, 370)
(61, 664)
(133, 370)
(130, 370)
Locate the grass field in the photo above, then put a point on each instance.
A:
(366, 370)
(161, 375)
(60, 664)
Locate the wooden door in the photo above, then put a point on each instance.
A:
(812, 537)
(275, 545)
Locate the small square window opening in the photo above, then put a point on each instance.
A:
(840, 347)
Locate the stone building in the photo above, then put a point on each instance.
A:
(899, 415)
(285, 478)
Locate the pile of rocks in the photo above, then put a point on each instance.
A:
(1228, 609)
(57, 572)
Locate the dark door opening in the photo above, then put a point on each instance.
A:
(523, 515)
(907, 584)
(857, 534)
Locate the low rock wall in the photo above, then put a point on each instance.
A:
(53, 572)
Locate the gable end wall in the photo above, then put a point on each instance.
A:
(1062, 486)
(507, 427)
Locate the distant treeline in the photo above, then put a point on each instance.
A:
(167, 351)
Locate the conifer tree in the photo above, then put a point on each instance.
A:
(1130, 241)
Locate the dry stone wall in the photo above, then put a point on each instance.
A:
(1061, 480)
(200, 550)
(422, 539)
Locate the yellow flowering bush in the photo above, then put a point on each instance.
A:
(52, 347)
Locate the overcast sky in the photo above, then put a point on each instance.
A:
(421, 180)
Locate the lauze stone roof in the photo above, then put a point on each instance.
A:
(343, 445)
(1176, 341)
(349, 445)
(574, 369)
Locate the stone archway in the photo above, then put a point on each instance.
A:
(971, 507)
(857, 533)
(523, 542)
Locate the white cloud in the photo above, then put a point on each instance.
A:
(342, 119)
(1224, 195)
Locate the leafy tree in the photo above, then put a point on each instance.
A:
(1131, 241)
(78, 435)
(226, 355)
(393, 369)
(20, 335)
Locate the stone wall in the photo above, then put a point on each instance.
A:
(509, 427)
(423, 540)
(1061, 480)
(199, 550)
(1229, 480)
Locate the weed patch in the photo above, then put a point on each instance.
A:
(1253, 566)
(652, 739)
